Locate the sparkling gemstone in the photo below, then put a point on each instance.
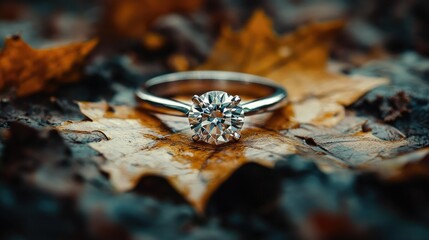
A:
(216, 117)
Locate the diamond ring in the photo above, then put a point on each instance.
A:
(215, 115)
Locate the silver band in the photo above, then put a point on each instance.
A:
(156, 94)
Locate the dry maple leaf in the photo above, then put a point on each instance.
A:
(29, 71)
(140, 144)
(132, 18)
(298, 61)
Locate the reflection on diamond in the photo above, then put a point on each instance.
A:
(215, 117)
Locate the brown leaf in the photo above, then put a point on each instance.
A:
(351, 147)
(140, 144)
(28, 71)
(401, 167)
(298, 61)
(130, 19)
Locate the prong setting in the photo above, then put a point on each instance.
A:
(236, 136)
(235, 100)
(195, 138)
(197, 100)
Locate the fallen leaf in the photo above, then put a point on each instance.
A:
(140, 144)
(131, 19)
(406, 165)
(28, 71)
(352, 147)
(298, 61)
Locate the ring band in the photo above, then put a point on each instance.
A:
(215, 116)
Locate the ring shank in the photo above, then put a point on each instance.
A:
(190, 87)
(157, 93)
